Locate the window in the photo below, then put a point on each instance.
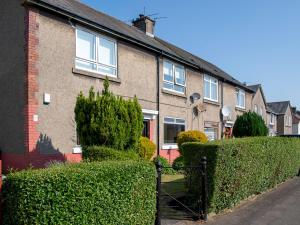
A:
(96, 53)
(146, 129)
(211, 133)
(261, 111)
(272, 119)
(240, 98)
(255, 109)
(288, 121)
(174, 77)
(210, 88)
(172, 126)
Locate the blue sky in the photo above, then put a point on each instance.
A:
(255, 41)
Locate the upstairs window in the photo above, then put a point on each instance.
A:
(172, 127)
(210, 88)
(240, 98)
(174, 77)
(96, 53)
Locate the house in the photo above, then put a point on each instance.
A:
(296, 121)
(259, 104)
(51, 50)
(283, 111)
(271, 121)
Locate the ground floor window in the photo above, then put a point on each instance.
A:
(211, 133)
(172, 126)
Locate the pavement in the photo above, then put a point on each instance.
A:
(280, 206)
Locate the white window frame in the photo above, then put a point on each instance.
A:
(255, 109)
(272, 122)
(210, 80)
(174, 78)
(215, 133)
(97, 36)
(173, 145)
(238, 92)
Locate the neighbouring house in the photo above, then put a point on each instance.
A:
(51, 50)
(283, 111)
(296, 121)
(271, 121)
(259, 103)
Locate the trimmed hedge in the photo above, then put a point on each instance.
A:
(108, 193)
(190, 136)
(102, 153)
(167, 168)
(146, 148)
(239, 168)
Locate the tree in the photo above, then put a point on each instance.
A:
(108, 120)
(249, 124)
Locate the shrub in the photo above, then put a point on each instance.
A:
(102, 153)
(167, 169)
(146, 148)
(242, 167)
(178, 163)
(250, 124)
(108, 120)
(190, 136)
(107, 193)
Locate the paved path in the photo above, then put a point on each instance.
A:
(280, 206)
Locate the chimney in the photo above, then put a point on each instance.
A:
(145, 24)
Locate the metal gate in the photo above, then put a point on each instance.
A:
(182, 198)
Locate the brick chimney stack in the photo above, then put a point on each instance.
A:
(145, 24)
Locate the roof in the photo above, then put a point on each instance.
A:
(257, 87)
(84, 14)
(278, 107)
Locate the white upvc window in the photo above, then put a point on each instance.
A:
(211, 133)
(255, 109)
(261, 111)
(272, 119)
(211, 87)
(174, 77)
(172, 127)
(95, 53)
(240, 99)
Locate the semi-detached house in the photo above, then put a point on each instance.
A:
(53, 49)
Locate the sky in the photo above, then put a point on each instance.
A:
(255, 41)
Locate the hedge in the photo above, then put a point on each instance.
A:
(105, 193)
(239, 168)
(102, 153)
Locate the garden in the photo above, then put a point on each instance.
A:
(116, 182)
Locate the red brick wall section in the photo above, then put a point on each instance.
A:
(169, 154)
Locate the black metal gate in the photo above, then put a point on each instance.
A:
(184, 197)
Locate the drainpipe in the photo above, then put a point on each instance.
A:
(158, 103)
(221, 114)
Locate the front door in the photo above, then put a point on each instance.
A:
(146, 129)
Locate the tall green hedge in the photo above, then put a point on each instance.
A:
(239, 168)
(250, 124)
(108, 120)
(105, 193)
(102, 153)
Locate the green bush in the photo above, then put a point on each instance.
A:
(107, 193)
(102, 153)
(190, 136)
(239, 168)
(167, 169)
(108, 120)
(178, 163)
(146, 148)
(250, 124)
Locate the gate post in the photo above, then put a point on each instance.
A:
(158, 192)
(204, 187)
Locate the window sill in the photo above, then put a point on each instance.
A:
(240, 109)
(211, 102)
(163, 90)
(95, 75)
(169, 146)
